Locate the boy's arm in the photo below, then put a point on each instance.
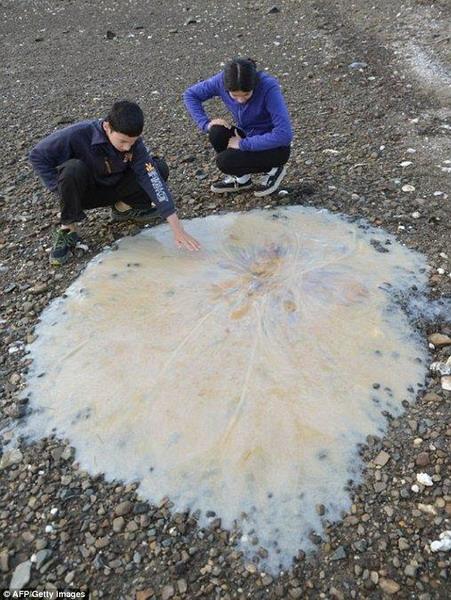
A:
(195, 95)
(281, 134)
(151, 181)
(157, 190)
(48, 154)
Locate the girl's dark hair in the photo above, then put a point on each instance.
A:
(126, 117)
(240, 75)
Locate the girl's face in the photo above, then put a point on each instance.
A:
(241, 97)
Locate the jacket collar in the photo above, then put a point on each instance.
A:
(98, 134)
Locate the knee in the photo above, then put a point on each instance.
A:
(72, 169)
(226, 162)
(219, 136)
(162, 167)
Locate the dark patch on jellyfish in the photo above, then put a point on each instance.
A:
(377, 245)
(378, 353)
(375, 400)
(410, 389)
(376, 386)
(269, 495)
(151, 469)
(41, 374)
(114, 275)
(323, 454)
(82, 414)
(395, 355)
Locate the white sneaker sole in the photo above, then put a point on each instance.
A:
(274, 186)
(230, 190)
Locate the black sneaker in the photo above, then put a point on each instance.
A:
(137, 215)
(230, 184)
(270, 183)
(64, 242)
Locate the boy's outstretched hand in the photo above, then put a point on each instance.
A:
(181, 238)
(185, 240)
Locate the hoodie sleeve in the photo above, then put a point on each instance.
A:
(48, 154)
(150, 180)
(281, 134)
(195, 95)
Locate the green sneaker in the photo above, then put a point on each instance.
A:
(64, 242)
(137, 215)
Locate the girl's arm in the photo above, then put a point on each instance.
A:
(195, 95)
(281, 134)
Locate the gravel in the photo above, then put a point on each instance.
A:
(363, 134)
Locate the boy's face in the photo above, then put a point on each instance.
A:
(120, 141)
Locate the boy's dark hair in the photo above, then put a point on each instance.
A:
(240, 75)
(126, 117)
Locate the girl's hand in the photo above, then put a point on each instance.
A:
(222, 122)
(234, 142)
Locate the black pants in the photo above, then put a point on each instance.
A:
(242, 162)
(78, 190)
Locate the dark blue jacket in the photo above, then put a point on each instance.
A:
(88, 142)
(264, 117)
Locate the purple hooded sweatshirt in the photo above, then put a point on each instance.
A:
(264, 117)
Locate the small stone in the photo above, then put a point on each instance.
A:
(339, 554)
(167, 592)
(411, 570)
(320, 509)
(267, 580)
(39, 288)
(431, 397)
(358, 65)
(424, 479)
(273, 10)
(21, 576)
(382, 458)
(11, 457)
(42, 557)
(389, 586)
(118, 524)
(4, 557)
(422, 459)
(182, 586)
(123, 508)
(403, 544)
(408, 188)
(110, 35)
(439, 339)
(336, 593)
